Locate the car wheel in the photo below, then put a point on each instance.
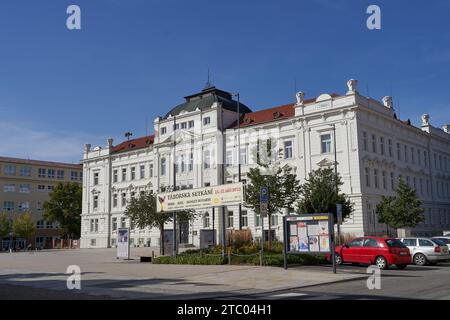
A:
(338, 258)
(420, 259)
(401, 266)
(381, 262)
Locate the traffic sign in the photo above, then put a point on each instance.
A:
(264, 195)
(264, 209)
(339, 213)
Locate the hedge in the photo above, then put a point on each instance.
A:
(190, 259)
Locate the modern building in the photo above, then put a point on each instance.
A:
(192, 141)
(26, 185)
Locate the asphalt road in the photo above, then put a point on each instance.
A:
(428, 282)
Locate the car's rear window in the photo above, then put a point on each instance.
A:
(444, 240)
(439, 242)
(395, 243)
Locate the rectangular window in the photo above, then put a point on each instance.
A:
(133, 173)
(229, 158)
(206, 121)
(230, 222)
(367, 171)
(257, 220)
(206, 159)
(51, 173)
(191, 161)
(24, 188)
(163, 130)
(419, 157)
(115, 175)
(375, 176)
(42, 173)
(243, 156)
(421, 186)
(413, 159)
(325, 142)
(274, 219)
(8, 205)
(374, 144)
(390, 147)
(25, 171)
(9, 170)
(39, 206)
(415, 183)
(73, 175)
(40, 224)
(150, 170)
(95, 202)
(60, 174)
(288, 154)
(183, 125)
(96, 178)
(114, 224)
(176, 126)
(191, 124)
(24, 206)
(124, 199)
(115, 200)
(142, 172)
(399, 153)
(392, 181)
(425, 159)
(382, 145)
(10, 187)
(50, 188)
(435, 161)
(124, 174)
(41, 188)
(163, 166)
(123, 222)
(406, 153)
(384, 180)
(244, 218)
(365, 144)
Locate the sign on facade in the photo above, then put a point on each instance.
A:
(222, 195)
(308, 233)
(123, 243)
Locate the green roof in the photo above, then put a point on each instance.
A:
(205, 99)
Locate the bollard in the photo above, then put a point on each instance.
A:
(260, 258)
(153, 256)
(229, 256)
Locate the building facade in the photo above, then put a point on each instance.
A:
(205, 140)
(26, 185)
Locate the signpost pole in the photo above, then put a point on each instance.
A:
(285, 242)
(263, 209)
(333, 245)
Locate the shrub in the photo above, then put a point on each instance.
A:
(190, 259)
(239, 238)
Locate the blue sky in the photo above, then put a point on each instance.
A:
(135, 59)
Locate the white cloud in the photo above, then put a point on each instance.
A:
(23, 141)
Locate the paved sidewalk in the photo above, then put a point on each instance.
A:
(104, 275)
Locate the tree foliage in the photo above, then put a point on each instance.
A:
(5, 225)
(142, 212)
(320, 195)
(64, 207)
(24, 226)
(402, 210)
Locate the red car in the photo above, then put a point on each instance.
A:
(381, 252)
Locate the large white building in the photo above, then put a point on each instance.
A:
(373, 149)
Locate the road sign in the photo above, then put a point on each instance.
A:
(264, 195)
(264, 209)
(339, 213)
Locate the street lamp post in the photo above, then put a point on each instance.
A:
(336, 180)
(239, 151)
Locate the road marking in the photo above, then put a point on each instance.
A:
(288, 295)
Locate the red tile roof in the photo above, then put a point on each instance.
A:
(268, 115)
(133, 144)
(41, 163)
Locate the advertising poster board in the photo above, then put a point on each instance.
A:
(123, 243)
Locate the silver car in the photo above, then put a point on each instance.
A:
(443, 239)
(426, 250)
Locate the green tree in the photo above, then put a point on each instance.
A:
(142, 212)
(24, 226)
(403, 210)
(64, 207)
(5, 225)
(283, 185)
(320, 195)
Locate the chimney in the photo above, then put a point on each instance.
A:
(87, 147)
(110, 142)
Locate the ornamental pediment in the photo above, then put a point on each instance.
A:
(325, 162)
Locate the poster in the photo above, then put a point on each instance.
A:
(293, 229)
(303, 245)
(123, 243)
(293, 243)
(302, 232)
(323, 228)
(324, 242)
(313, 229)
(313, 243)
